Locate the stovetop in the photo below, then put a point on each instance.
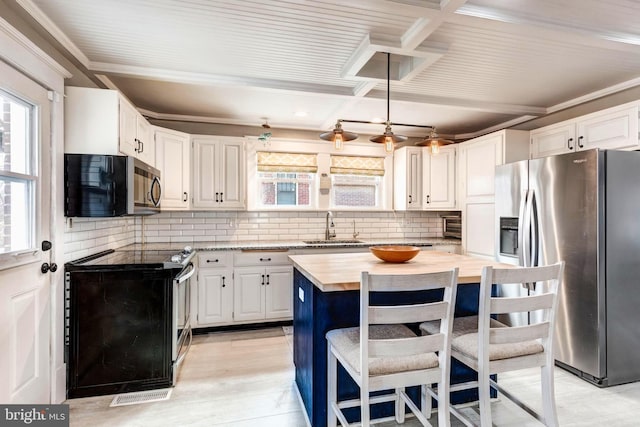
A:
(137, 257)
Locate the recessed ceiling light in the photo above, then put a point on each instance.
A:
(301, 114)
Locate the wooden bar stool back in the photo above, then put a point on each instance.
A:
(491, 347)
(384, 354)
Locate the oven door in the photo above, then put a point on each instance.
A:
(181, 332)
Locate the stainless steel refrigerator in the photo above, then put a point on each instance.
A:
(583, 208)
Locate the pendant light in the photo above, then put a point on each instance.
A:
(388, 138)
(434, 141)
(338, 136)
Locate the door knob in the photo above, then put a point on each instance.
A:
(46, 245)
(45, 267)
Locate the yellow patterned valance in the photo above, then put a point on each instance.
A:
(287, 162)
(356, 165)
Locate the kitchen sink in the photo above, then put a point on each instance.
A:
(331, 241)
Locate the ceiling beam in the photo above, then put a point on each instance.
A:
(216, 79)
(467, 104)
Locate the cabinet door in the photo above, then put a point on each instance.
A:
(414, 179)
(552, 140)
(616, 129)
(205, 159)
(439, 179)
(479, 229)
(173, 158)
(146, 147)
(231, 182)
(478, 163)
(249, 293)
(128, 129)
(215, 296)
(279, 292)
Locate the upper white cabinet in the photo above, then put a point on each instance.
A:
(423, 180)
(218, 172)
(407, 178)
(611, 128)
(439, 178)
(102, 121)
(173, 158)
(477, 160)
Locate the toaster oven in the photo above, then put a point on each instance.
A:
(452, 226)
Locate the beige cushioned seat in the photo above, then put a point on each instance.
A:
(465, 339)
(347, 342)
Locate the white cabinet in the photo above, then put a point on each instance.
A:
(215, 287)
(102, 121)
(438, 178)
(615, 127)
(422, 180)
(263, 293)
(407, 178)
(263, 286)
(218, 172)
(173, 158)
(477, 160)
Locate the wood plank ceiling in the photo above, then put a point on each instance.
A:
(467, 67)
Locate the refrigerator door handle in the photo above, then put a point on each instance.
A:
(524, 224)
(534, 261)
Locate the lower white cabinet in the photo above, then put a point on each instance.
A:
(263, 293)
(214, 295)
(242, 287)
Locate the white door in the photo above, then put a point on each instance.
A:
(25, 318)
(215, 296)
(173, 153)
(279, 292)
(248, 293)
(231, 178)
(439, 179)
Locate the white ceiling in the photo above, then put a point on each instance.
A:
(467, 67)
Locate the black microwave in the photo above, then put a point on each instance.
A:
(101, 185)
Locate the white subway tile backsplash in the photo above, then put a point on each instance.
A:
(88, 236)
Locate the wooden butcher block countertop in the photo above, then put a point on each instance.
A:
(341, 272)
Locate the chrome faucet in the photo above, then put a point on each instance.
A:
(355, 233)
(329, 234)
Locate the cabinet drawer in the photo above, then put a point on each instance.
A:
(214, 259)
(261, 258)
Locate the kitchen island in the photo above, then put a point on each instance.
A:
(326, 297)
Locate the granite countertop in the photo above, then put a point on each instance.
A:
(283, 244)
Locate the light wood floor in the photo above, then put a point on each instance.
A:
(246, 379)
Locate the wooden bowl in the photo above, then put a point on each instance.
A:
(395, 253)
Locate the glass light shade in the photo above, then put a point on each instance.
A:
(435, 147)
(388, 144)
(338, 142)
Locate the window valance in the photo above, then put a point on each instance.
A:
(357, 165)
(287, 162)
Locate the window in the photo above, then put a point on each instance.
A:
(286, 179)
(356, 181)
(17, 179)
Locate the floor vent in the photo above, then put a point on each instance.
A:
(141, 397)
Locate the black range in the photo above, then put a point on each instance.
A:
(127, 320)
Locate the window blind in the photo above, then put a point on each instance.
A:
(269, 161)
(357, 165)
